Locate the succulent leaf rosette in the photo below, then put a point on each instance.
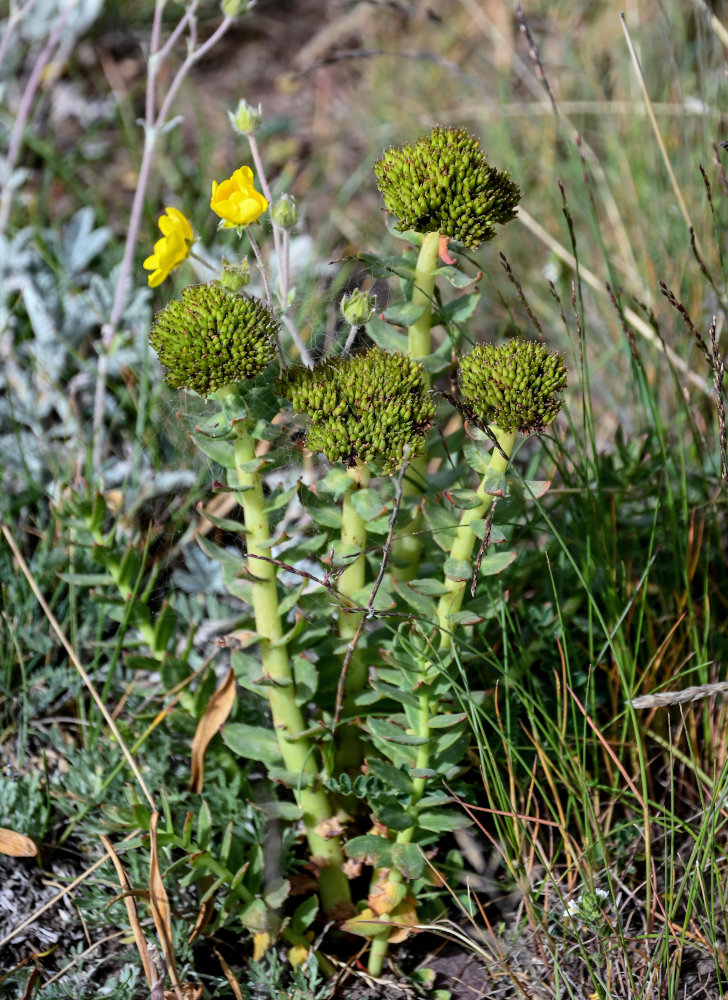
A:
(443, 183)
(209, 339)
(516, 386)
(363, 409)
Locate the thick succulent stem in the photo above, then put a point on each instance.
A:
(408, 547)
(354, 537)
(297, 752)
(450, 604)
(426, 709)
(423, 289)
(465, 538)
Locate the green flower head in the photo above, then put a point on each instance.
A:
(443, 183)
(517, 386)
(208, 338)
(365, 408)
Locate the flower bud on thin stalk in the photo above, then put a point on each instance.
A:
(510, 390)
(442, 187)
(368, 412)
(245, 119)
(210, 341)
(357, 309)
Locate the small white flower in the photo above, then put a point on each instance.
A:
(601, 894)
(572, 909)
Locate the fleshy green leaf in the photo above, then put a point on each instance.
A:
(432, 588)
(477, 526)
(279, 499)
(496, 562)
(336, 481)
(460, 309)
(382, 602)
(456, 277)
(408, 859)
(306, 677)
(386, 336)
(252, 743)
(377, 851)
(393, 816)
(442, 821)
(276, 894)
(445, 721)
(423, 605)
(476, 455)
(391, 776)
(404, 313)
(464, 499)
(368, 504)
(223, 556)
(388, 732)
(322, 513)
(458, 569)
(385, 267)
(254, 916)
(223, 523)
(304, 914)
(442, 522)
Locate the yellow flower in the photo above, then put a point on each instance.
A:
(236, 201)
(173, 247)
(297, 955)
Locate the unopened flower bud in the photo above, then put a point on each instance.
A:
(246, 119)
(285, 212)
(444, 184)
(236, 8)
(358, 307)
(234, 277)
(516, 387)
(209, 339)
(370, 408)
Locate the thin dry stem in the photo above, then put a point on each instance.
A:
(655, 126)
(152, 126)
(641, 327)
(63, 892)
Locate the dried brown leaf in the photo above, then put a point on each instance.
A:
(16, 844)
(217, 711)
(234, 984)
(187, 991)
(131, 910)
(159, 902)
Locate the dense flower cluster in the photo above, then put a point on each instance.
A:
(208, 338)
(365, 408)
(236, 201)
(516, 386)
(174, 246)
(443, 183)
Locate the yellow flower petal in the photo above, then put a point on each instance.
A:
(261, 944)
(180, 223)
(297, 955)
(236, 201)
(173, 247)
